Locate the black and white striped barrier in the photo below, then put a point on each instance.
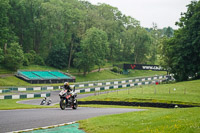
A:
(116, 86)
(23, 96)
(119, 82)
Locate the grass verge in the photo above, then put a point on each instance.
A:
(178, 93)
(153, 120)
(9, 104)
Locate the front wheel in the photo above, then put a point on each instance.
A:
(62, 104)
(75, 105)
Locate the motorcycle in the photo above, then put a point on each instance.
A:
(68, 99)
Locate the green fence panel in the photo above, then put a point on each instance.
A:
(111, 87)
(22, 96)
(5, 91)
(8, 97)
(92, 89)
(44, 88)
(37, 95)
(29, 89)
(55, 87)
(102, 88)
(81, 91)
(119, 86)
(48, 94)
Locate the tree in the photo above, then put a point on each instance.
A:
(1, 56)
(142, 41)
(183, 49)
(14, 56)
(93, 49)
(6, 33)
(58, 57)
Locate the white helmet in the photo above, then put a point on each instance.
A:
(66, 83)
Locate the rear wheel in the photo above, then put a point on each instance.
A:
(62, 104)
(75, 105)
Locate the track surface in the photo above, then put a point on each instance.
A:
(55, 98)
(13, 120)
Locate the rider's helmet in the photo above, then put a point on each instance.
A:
(66, 84)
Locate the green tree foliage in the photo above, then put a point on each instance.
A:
(14, 56)
(182, 51)
(93, 49)
(58, 57)
(33, 58)
(1, 56)
(39, 26)
(6, 34)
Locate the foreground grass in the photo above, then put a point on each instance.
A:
(9, 104)
(153, 120)
(179, 93)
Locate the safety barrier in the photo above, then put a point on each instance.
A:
(23, 96)
(116, 86)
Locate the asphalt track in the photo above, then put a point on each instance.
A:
(54, 97)
(14, 120)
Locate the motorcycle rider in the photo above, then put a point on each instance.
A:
(67, 87)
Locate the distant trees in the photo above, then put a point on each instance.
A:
(58, 32)
(58, 57)
(181, 52)
(94, 48)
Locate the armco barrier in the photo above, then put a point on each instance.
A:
(83, 85)
(29, 89)
(142, 104)
(22, 96)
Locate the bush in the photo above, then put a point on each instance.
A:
(26, 61)
(58, 57)
(14, 57)
(32, 58)
(39, 60)
(1, 56)
(114, 69)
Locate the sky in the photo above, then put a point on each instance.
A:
(162, 12)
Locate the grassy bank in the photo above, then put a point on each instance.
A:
(107, 74)
(185, 120)
(103, 75)
(179, 93)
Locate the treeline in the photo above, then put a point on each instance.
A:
(65, 33)
(181, 53)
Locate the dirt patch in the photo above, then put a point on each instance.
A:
(6, 75)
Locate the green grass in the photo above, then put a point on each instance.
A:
(179, 93)
(185, 120)
(8, 104)
(38, 67)
(3, 70)
(14, 81)
(105, 75)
